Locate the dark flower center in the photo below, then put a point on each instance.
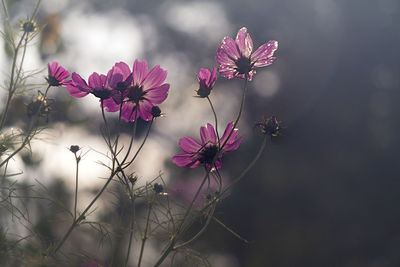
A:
(28, 26)
(203, 91)
(207, 154)
(102, 93)
(243, 65)
(136, 93)
(122, 86)
(53, 81)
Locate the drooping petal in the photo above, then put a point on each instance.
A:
(78, 86)
(158, 94)
(110, 105)
(207, 134)
(189, 144)
(144, 110)
(128, 112)
(185, 160)
(244, 42)
(264, 52)
(154, 78)
(139, 72)
(234, 145)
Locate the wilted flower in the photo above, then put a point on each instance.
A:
(39, 106)
(204, 153)
(236, 58)
(28, 26)
(206, 81)
(57, 75)
(269, 126)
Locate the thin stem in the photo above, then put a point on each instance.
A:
(171, 245)
(215, 117)
(131, 232)
(141, 145)
(77, 159)
(11, 86)
(82, 216)
(28, 134)
(240, 112)
(144, 238)
(132, 137)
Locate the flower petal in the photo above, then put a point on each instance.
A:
(128, 112)
(185, 160)
(233, 146)
(207, 134)
(244, 42)
(110, 105)
(189, 144)
(263, 53)
(157, 95)
(144, 110)
(154, 78)
(230, 48)
(139, 72)
(78, 86)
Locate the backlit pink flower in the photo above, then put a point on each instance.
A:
(206, 81)
(56, 75)
(146, 90)
(204, 153)
(236, 58)
(97, 86)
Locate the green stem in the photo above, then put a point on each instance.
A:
(76, 184)
(82, 216)
(240, 112)
(216, 121)
(131, 230)
(144, 238)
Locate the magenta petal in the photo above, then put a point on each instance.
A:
(75, 92)
(144, 110)
(234, 145)
(203, 77)
(110, 105)
(223, 59)
(154, 78)
(230, 48)
(128, 111)
(244, 42)
(264, 52)
(228, 129)
(157, 95)
(207, 134)
(185, 160)
(264, 62)
(95, 80)
(139, 71)
(213, 77)
(189, 144)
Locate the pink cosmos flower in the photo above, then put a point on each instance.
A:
(236, 58)
(203, 153)
(146, 90)
(206, 81)
(57, 75)
(97, 86)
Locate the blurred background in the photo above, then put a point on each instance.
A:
(325, 193)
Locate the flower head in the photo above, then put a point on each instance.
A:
(96, 86)
(206, 81)
(204, 152)
(236, 58)
(57, 75)
(269, 126)
(28, 26)
(146, 90)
